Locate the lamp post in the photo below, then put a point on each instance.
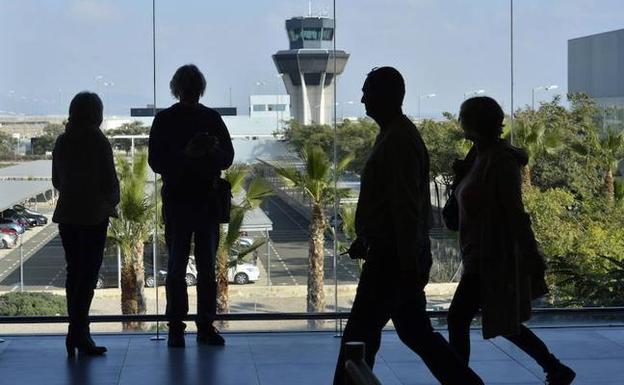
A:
(107, 86)
(278, 77)
(99, 79)
(16, 136)
(472, 93)
(349, 102)
(540, 88)
(259, 85)
(420, 98)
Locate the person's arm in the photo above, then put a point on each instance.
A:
(111, 182)
(162, 158)
(222, 156)
(56, 182)
(403, 168)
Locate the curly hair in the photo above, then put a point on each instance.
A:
(188, 81)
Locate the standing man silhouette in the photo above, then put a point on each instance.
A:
(392, 222)
(189, 145)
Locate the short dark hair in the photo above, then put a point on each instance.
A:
(86, 108)
(484, 115)
(387, 81)
(188, 81)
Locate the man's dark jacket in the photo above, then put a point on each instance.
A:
(186, 179)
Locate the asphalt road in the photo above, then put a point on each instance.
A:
(289, 251)
(37, 251)
(44, 266)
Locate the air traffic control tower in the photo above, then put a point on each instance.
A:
(307, 68)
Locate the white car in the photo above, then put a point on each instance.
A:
(243, 273)
(245, 241)
(7, 241)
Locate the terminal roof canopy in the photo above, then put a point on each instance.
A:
(13, 192)
(38, 169)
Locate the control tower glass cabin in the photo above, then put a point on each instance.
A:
(307, 68)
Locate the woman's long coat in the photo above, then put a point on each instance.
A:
(511, 267)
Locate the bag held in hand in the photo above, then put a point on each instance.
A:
(223, 190)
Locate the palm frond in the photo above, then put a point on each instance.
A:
(257, 191)
(236, 175)
(237, 215)
(257, 243)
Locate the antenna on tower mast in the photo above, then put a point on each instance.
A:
(309, 9)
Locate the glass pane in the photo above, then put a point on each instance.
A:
(82, 43)
(294, 34)
(311, 34)
(273, 277)
(569, 98)
(446, 54)
(328, 34)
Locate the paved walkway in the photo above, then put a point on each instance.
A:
(294, 358)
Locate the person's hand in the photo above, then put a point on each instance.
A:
(200, 145)
(358, 249)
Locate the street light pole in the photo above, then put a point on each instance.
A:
(17, 137)
(420, 97)
(473, 92)
(544, 88)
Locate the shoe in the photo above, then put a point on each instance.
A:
(83, 344)
(209, 336)
(560, 375)
(176, 336)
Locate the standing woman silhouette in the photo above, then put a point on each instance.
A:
(503, 269)
(83, 171)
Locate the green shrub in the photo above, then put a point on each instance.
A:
(32, 304)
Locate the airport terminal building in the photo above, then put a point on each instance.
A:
(596, 67)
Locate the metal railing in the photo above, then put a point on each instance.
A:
(586, 311)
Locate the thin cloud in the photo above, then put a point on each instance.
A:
(97, 11)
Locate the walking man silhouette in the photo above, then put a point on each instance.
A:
(392, 221)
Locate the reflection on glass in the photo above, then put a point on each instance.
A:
(294, 34)
(328, 34)
(311, 34)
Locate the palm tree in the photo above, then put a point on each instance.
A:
(347, 214)
(534, 135)
(316, 180)
(229, 234)
(607, 149)
(130, 231)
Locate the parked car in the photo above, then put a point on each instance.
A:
(18, 218)
(7, 241)
(40, 219)
(245, 241)
(11, 224)
(243, 273)
(8, 230)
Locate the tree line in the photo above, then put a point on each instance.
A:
(572, 185)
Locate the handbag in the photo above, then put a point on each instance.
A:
(450, 213)
(223, 190)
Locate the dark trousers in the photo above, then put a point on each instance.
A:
(182, 222)
(84, 249)
(381, 296)
(465, 305)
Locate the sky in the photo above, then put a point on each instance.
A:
(51, 49)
